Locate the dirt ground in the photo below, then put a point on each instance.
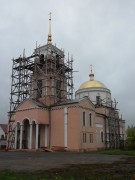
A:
(38, 161)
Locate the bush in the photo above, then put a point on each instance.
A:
(130, 142)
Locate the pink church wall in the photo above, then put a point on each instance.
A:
(87, 107)
(57, 128)
(42, 135)
(73, 128)
(26, 105)
(88, 130)
(39, 115)
(99, 120)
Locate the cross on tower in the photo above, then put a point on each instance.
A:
(50, 16)
(91, 68)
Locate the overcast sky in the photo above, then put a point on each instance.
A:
(98, 32)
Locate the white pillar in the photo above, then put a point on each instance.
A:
(16, 128)
(65, 127)
(30, 141)
(37, 131)
(21, 132)
(46, 135)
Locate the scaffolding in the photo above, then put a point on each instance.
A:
(113, 137)
(112, 129)
(46, 76)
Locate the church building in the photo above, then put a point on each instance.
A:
(43, 113)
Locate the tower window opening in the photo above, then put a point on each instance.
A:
(41, 59)
(57, 60)
(39, 88)
(58, 88)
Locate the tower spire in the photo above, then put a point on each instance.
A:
(91, 75)
(49, 33)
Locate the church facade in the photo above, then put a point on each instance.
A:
(48, 117)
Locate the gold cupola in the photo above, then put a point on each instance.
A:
(92, 83)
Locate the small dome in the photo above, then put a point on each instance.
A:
(92, 84)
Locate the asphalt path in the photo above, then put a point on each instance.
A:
(38, 161)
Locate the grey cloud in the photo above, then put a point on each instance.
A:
(96, 32)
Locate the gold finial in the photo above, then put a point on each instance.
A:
(49, 34)
(91, 75)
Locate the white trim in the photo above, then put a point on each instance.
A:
(37, 131)
(46, 136)
(30, 141)
(22, 121)
(99, 126)
(16, 128)
(21, 131)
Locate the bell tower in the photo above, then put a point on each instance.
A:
(52, 74)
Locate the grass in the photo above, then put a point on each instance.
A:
(124, 170)
(118, 152)
(75, 172)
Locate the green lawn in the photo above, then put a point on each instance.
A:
(118, 152)
(75, 172)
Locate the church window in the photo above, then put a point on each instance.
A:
(39, 88)
(52, 86)
(102, 137)
(98, 100)
(84, 137)
(84, 123)
(91, 138)
(2, 137)
(90, 119)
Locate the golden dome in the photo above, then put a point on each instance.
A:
(92, 84)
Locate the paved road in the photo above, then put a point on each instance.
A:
(35, 161)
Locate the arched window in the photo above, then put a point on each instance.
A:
(98, 99)
(84, 119)
(91, 138)
(102, 137)
(90, 119)
(84, 137)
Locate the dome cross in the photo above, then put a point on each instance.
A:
(91, 75)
